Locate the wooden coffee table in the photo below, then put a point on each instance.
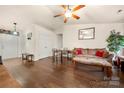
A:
(94, 61)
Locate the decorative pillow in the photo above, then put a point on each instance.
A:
(106, 54)
(79, 51)
(100, 53)
(74, 51)
(97, 53)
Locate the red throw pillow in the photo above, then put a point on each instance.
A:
(97, 53)
(79, 51)
(100, 53)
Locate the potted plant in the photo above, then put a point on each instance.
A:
(115, 43)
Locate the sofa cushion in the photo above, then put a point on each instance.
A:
(84, 51)
(92, 61)
(79, 51)
(91, 51)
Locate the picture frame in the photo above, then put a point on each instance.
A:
(29, 36)
(86, 34)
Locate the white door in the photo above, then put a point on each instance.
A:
(45, 46)
(9, 46)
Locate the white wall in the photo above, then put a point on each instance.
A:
(59, 30)
(42, 42)
(102, 31)
(30, 44)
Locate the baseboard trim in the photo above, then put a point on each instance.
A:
(45, 57)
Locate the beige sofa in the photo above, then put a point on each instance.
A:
(94, 58)
(89, 51)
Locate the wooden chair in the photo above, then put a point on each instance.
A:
(57, 55)
(30, 57)
(65, 54)
(24, 56)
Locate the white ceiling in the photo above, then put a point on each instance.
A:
(94, 14)
(43, 15)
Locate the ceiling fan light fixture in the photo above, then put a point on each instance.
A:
(15, 33)
(68, 13)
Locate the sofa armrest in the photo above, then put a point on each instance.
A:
(109, 58)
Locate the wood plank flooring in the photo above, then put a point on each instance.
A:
(7, 81)
(46, 74)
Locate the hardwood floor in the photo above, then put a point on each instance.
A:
(6, 80)
(46, 74)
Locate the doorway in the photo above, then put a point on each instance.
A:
(60, 41)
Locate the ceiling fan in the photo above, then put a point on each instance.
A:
(68, 12)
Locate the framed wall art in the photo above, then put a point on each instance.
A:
(86, 34)
(29, 36)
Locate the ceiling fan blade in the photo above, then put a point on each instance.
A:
(75, 16)
(65, 20)
(58, 15)
(78, 7)
(64, 6)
